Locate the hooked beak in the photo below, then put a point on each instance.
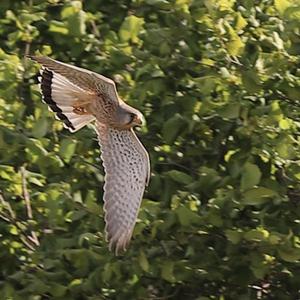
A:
(139, 120)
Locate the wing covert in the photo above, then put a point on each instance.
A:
(85, 79)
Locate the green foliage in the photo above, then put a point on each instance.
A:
(218, 82)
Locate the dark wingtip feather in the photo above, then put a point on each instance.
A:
(46, 82)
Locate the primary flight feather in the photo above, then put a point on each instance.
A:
(78, 97)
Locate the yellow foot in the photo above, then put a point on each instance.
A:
(79, 110)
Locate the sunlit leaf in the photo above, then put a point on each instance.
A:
(235, 45)
(67, 149)
(282, 5)
(58, 27)
(130, 28)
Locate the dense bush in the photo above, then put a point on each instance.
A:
(218, 82)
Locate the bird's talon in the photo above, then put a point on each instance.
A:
(80, 110)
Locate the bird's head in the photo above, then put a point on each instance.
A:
(137, 119)
(130, 117)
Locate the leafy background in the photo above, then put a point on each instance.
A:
(218, 82)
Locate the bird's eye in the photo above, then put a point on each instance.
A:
(132, 117)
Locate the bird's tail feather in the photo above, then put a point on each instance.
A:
(63, 97)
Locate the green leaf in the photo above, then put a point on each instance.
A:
(282, 5)
(13, 230)
(75, 282)
(258, 196)
(251, 81)
(167, 271)
(172, 127)
(58, 27)
(143, 261)
(289, 254)
(285, 148)
(57, 290)
(234, 236)
(36, 181)
(38, 286)
(54, 161)
(75, 215)
(235, 45)
(256, 235)
(67, 149)
(76, 24)
(275, 239)
(186, 216)
(86, 238)
(225, 4)
(241, 22)
(161, 4)
(130, 29)
(230, 111)
(293, 13)
(284, 124)
(36, 147)
(259, 265)
(179, 176)
(251, 176)
(71, 8)
(40, 128)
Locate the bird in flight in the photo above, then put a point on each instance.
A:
(78, 96)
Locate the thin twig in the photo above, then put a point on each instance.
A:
(7, 206)
(6, 219)
(25, 193)
(22, 238)
(95, 29)
(26, 197)
(11, 218)
(24, 241)
(26, 52)
(169, 163)
(79, 159)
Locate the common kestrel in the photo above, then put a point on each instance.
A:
(78, 97)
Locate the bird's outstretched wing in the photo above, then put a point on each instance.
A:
(126, 165)
(68, 89)
(82, 78)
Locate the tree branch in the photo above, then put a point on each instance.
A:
(11, 218)
(7, 206)
(26, 197)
